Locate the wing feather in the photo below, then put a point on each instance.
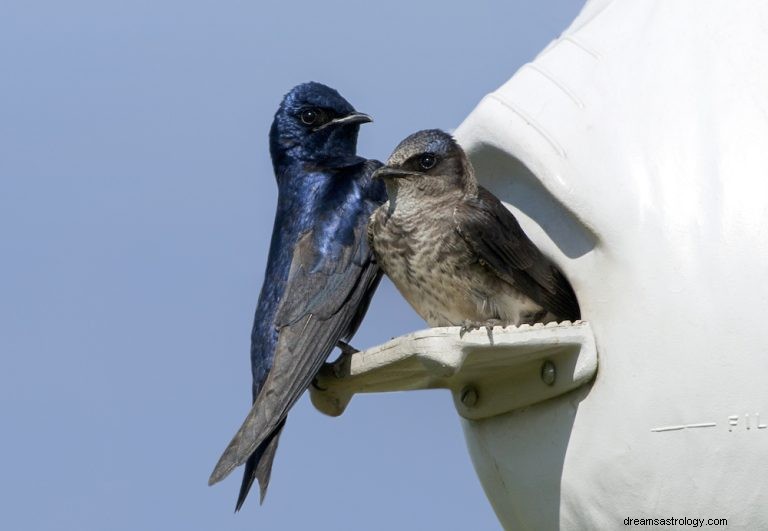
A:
(321, 305)
(494, 234)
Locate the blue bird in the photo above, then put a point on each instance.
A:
(320, 273)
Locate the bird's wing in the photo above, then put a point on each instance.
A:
(494, 234)
(321, 303)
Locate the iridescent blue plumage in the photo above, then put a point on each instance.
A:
(320, 272)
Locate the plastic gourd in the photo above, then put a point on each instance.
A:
(634, 150)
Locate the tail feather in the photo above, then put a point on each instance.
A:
(259, 467)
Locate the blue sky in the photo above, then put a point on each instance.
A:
(136, 207)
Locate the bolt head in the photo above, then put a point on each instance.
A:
(548, 372)
(469, 396)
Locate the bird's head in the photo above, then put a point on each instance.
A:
(315, 124)
(428, 163)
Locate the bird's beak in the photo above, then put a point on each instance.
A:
(389, 172)
(352, 118)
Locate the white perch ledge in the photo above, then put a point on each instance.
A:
(517, 367)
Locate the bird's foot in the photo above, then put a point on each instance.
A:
(342, 363)
(345, 348)
(316, 385)
(337, 366)
(468, 326)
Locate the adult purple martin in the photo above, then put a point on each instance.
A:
(453, 250)
(320, 274)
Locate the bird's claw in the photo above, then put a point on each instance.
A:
(337, 366)
(316, 385)
(344, 359)
(468, 326)
(345, 348)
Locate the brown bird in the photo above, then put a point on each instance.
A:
(456, 254)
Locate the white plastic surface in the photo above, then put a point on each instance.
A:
(487, 374)
(634, 151)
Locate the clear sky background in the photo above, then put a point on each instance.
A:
(136, 205)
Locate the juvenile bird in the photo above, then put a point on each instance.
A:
(320, 274)
(456, 254)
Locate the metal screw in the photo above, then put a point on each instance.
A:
(469, 396)
(548, 372)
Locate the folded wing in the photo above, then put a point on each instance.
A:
(324, 297)
(496, 237)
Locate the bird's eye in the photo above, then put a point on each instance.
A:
(309, 116)
(427, 161)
